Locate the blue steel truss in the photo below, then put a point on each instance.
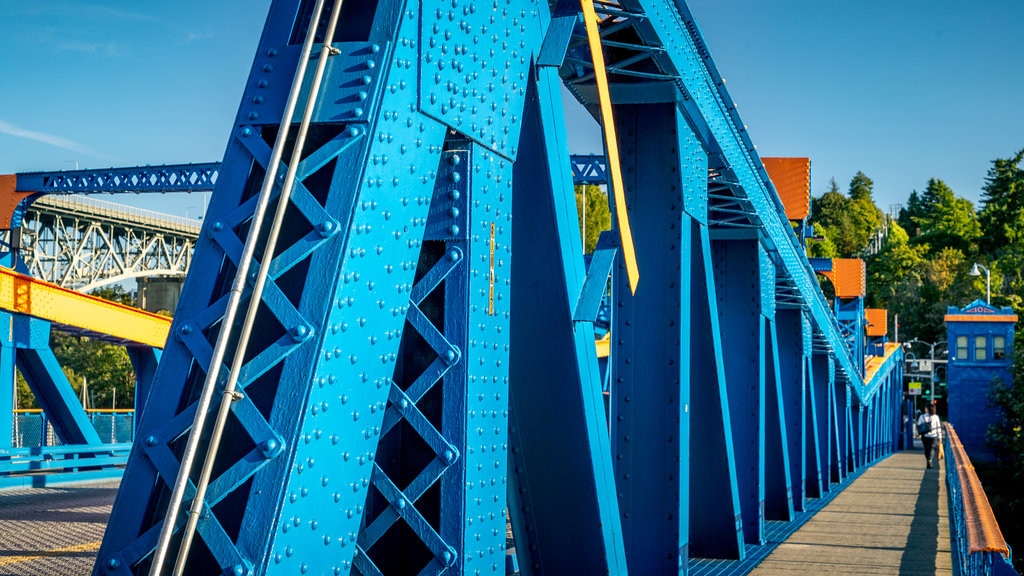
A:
(422, 363)
(139, 179)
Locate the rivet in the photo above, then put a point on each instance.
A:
(270, 448)
(300, 333)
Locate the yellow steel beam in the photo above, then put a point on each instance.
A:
(611, 143)
(26, 295)
(604, 345)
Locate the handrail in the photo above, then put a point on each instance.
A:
(978, 544)
(87, 410)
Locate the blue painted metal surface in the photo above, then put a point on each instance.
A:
(48, 466)
(421, 361)
(589, 169)
(980, 349)
(139, 179)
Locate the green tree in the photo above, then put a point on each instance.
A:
(105, 367)
(923, 294)
(114, 293)
(891, 266)
(848, 222)
(909, 215)
(861, 187)
(24, 396)
(598, 214)
(1002, 211)
(946, 220)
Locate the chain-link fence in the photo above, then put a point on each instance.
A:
(32, 429)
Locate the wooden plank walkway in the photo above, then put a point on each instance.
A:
(891, 520)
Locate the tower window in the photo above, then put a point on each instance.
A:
(961, 347)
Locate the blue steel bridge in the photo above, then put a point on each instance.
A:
(384, 359)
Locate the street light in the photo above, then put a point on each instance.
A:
(988, 280)
(931, 354)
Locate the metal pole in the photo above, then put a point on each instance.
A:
(229, 394)
(235, 296)
(988, 287)
(931, 370)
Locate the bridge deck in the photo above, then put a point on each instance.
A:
(891, 520)
(46, 531)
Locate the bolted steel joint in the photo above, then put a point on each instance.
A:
(270, 448)
(451, 356)
(301, 333)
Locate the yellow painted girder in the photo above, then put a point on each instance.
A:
(26, 295)
(590, 19)
(604, 345)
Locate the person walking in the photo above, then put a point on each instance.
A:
(929, 427)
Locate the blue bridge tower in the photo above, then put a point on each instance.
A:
(980, 351)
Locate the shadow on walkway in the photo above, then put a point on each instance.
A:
(919, 555)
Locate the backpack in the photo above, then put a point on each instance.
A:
(924, 426)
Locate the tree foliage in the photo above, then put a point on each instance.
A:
(104, 368)
(944, 220)
(593, 203)
(1002, 212)
(847, 222)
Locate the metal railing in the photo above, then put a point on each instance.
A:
(978, 546)
(94, 208)
(31, 429)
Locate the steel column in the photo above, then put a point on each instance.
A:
(779, 462)
(44, 376)
(792, 350)
(557, 416)
(650, 375)
(739, 285)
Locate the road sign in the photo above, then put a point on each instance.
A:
(914, 389)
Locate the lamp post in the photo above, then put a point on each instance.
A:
(976, 271)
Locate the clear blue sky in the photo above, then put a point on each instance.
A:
(902, 90)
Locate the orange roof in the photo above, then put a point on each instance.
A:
(848, 277)
(980, 318)
(878, 319)
(792, 180)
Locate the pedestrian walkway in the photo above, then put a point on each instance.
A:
(892, 520)
(53, 531)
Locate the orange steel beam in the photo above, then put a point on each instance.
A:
(80, 312)
(878, 320)
(873, 363)
(9, 198)
(983, 533)
(848, 277)
(792, 180)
